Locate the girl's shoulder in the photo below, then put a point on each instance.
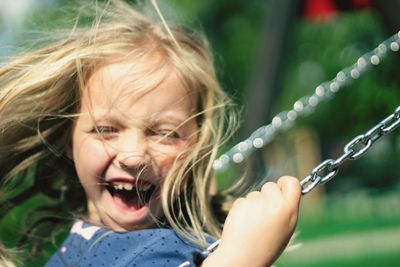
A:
(89, 245)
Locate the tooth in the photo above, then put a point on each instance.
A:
(116, 187)
(120, 186)
(128, 187)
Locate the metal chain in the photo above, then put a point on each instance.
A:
(355, 149)
(328, 169)
(305, 105)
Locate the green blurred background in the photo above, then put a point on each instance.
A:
(269, 54)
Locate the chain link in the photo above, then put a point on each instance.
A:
(355, 149)
(305, 106)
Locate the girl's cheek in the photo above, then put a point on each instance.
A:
(166, 159)
(92, 154)
(165, 165)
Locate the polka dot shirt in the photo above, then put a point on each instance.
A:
(89, 245)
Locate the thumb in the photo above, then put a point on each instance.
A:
(291, 189)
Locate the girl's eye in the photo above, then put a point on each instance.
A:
(105, 130)
(169, 134)
(164, 133)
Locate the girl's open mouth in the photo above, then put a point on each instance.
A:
(131, 195)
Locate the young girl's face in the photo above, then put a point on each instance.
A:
(126, 139)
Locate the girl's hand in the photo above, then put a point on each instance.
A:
(259, 226)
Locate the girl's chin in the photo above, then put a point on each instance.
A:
(130, 221)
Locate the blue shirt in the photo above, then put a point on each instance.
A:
(89, 245)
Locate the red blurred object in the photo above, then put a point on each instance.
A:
(323, 10)
(360, 4)
(320, 10)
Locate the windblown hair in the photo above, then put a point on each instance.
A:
(7, 257)
(40, 97)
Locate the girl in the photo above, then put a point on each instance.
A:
(118, 125)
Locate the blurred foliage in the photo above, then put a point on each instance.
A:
(233, 30)
(318, 51)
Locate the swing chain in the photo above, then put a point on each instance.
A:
(330, 167)
(353, 150)
(307, 104)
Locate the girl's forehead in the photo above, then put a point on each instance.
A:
(132, 75)
(129, 83)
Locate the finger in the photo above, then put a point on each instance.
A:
(253, 194)
(290, 188)
(270, 188)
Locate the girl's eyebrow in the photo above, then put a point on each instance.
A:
(101, 114)
(170, 118)
(107, 116)
(153, 120)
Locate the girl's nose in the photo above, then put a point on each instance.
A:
(132, 151)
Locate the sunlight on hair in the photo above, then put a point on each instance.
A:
(156, 7)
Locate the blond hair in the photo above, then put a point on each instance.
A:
(7, 257)
(40, 95)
